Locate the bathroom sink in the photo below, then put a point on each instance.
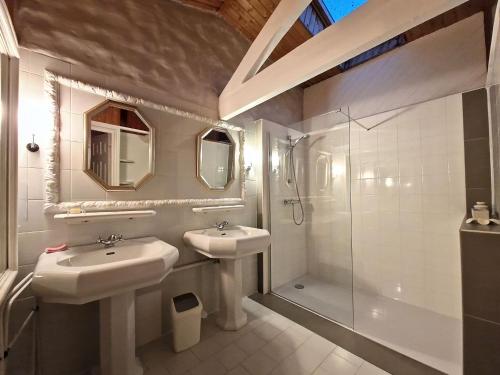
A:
(230, 243)
(87, 273)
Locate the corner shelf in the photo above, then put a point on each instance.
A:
(204, 210)
(99, 216)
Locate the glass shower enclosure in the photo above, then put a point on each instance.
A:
(364, 216)
(309, 187)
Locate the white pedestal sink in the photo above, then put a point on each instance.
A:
(88, 273)
(229, 245)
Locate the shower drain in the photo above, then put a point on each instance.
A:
(299, 286)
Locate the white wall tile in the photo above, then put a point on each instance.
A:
(36, 185)
(77, 127)
(84, 188)
(77, 156)
(423, 198)
(65, 155)
(36, 63)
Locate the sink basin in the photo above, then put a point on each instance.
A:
(88, 273)
(83, 274)
(232, 242)
(229, 245)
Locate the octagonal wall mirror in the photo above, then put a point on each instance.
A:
(215, 159)
(119, 146)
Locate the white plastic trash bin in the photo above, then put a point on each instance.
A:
(186, 320)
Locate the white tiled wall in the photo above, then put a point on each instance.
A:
(408, 200)
(288, 241)
(329, 200)
(176, 152)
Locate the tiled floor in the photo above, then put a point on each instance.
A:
(268, 344)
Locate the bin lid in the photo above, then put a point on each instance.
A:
(185, 302)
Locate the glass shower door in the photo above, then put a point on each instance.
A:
(311, 263)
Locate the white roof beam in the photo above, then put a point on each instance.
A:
(373, 23)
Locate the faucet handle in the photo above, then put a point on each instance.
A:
(221, 225)
(116, 237)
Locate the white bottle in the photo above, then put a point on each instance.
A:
(481, 211)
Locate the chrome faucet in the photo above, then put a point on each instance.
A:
(110, 241)
(221, 226)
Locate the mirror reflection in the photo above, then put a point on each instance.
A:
(119, 146)
(216, 158)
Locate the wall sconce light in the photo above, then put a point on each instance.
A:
(275, 162)
(248, 168)
(32, 146)
(249, 155)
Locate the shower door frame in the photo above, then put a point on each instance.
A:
(264, 260)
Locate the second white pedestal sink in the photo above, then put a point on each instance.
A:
(88, 273)
(229, 245)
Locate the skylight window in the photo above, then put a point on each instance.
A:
(338, 9)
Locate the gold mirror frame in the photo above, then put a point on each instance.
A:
(199, 158)
(88, 127)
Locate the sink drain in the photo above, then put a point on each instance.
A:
(299, 286)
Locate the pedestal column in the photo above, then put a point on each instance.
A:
(231, 315)
(117, 333)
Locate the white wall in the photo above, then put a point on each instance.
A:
(408, 202)
(288, 241)
(74, 328)
(173, 54)
(451, 60)
(328, 202)
(158, 50)
(408, 196)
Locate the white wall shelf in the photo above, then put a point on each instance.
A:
(94, 217)
(204, 210)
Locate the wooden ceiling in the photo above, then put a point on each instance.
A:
(249, 16)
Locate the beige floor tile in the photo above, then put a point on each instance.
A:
(181, 363)
(250, 343)
(206, 348)
(354, 359)
(266, 331)
(279, 348)
(238, 371)
(231, 356)
(306, 358)
(289, 368)
(319, 344)
(334, 364)
(369, 369)
(295, 336)
(225, 338)
(209, 367)
(259, 363)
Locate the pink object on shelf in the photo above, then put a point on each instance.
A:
(56, 249)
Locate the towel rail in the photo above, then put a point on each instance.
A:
(13, 295)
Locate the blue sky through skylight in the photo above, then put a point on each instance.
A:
(338, 9)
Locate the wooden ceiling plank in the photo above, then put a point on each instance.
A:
(276, 27)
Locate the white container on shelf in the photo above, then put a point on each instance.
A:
(481, 211)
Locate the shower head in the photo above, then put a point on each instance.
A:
(294, 142)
